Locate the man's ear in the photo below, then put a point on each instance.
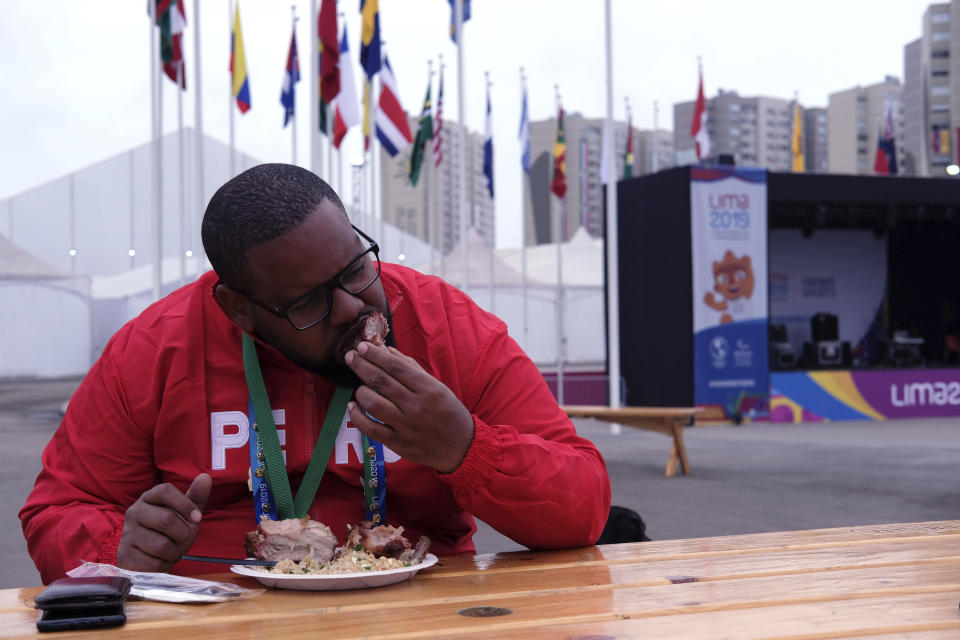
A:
(236, 306)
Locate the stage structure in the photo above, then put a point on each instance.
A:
(790, 297)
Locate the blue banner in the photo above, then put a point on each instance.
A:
(728, 224)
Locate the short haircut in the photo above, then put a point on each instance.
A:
(258, 205)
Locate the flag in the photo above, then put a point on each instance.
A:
(329, 52)
(424, 133)
(290, 78)
(367, 126)
(370, 61)
(885, 162)
(524, 134)
(559, 184)
(796, 145)
(698, 126)
(171, 19)
(238, 64)
(438, 126)
(347, 112)
(488, 147)
(453, 17)
(940, 142)
(393, 131)
(370, 37)
(628, 152)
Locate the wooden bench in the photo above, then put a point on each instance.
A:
(667, 420)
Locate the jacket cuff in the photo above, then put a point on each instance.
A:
(108, 550)
(483, 460)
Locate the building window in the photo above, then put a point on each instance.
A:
(940, 17)
(940, 90)
(939, 73)
(940, 36)
(939, 107)
(941, 53)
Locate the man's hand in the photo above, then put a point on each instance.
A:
(162, 525)
(424, 421)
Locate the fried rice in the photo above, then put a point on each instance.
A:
(352, 560)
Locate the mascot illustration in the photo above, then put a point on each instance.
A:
(733, 280)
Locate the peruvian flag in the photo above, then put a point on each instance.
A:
(698, 126)
(347, 112)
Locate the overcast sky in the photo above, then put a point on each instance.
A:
(76, 78)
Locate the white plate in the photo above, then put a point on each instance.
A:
(334, 581)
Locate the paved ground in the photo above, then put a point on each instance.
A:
(745, 479)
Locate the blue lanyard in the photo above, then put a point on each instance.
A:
(374, 478)
(263, 503)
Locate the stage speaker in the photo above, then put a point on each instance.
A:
(823, 327)
(829, 353)
(782, 356)
(778, 333)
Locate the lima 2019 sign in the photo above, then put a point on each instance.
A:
(864, 395)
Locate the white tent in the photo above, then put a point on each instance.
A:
(45, 318)
(583, 304)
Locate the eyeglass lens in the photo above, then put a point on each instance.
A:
(355, 279)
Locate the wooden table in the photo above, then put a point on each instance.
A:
(881, 582)
(667, 420)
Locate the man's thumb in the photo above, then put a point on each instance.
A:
(199, 490)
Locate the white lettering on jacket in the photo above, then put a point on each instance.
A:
(350, 438)
(238, 435)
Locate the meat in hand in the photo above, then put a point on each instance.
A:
(375, 329)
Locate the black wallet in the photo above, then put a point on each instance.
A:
(82, 603)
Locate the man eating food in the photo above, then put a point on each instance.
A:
(257, 392)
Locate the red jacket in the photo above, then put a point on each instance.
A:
(168, 400)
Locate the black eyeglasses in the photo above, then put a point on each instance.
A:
(312, 307)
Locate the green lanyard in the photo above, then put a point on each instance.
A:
(276, 471)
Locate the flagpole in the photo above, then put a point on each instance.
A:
(613, 291)
(133, 208)
(438, 138)
(523, 226)
(154, 111)
(626, 148)
(492, 241)
(233, 160)
(428, 181)
(653, 155)
(198, 133)
(561, 213)
(461, 147)
(293, 117)
(314, 66)
(183, 195)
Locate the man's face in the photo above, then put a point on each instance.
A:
(293, 264)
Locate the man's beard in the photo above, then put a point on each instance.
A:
(330, 367)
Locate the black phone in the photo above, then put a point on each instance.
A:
(83, 603)
(81, 618)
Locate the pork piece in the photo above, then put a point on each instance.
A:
(415, 555)
(292, 539)
(385, 541)
(374, 329)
